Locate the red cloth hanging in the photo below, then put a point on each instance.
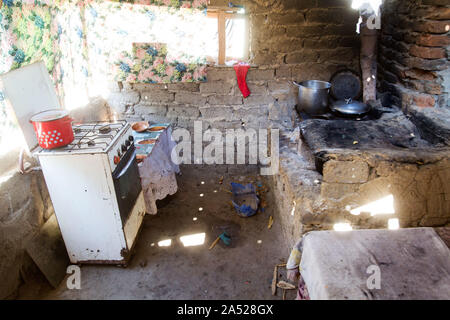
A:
(241, 75)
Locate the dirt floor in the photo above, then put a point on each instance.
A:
(242, 270)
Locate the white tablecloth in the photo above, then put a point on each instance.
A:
(158, 172)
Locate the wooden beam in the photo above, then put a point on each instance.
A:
(230, 13)
(225, 9)
(222, 37)
(226, 14)
(368, 61)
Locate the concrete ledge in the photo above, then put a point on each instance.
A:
(411, 264)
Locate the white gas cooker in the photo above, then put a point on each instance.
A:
(93, 182)
(95, 188)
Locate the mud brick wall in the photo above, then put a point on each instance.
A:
(414, 52)
(288, 39)
(303, 35)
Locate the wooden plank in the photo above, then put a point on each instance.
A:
(224, 9)
(222, 37)
(227, 15)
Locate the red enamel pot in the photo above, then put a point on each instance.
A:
(53, 128)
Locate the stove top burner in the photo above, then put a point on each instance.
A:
(93, 135)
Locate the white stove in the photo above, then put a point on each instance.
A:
(96, 191)
(93, 182)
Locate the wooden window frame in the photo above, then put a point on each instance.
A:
(222, 14)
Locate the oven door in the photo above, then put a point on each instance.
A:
(127, 183)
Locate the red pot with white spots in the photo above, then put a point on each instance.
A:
(53, 128)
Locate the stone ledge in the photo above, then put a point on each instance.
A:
(392, 138)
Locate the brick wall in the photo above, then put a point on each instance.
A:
(414, 51)
(217, 102)
(304, 34)
(289, 40)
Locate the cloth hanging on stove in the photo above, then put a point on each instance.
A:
(241, 75)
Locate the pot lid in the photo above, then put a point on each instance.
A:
(28, 91)
(346, 84)
(49, 115)
(349, 107)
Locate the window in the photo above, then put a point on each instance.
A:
(232, 34)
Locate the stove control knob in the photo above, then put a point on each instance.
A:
(127, 143)
(131, 138)
(119, 153)
(124, 148)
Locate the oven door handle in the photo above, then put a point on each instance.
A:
(127, 166)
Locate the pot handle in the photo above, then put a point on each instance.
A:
(295, 83)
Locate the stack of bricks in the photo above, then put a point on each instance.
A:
(414, 52)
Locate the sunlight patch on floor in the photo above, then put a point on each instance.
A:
(165, 243)
(196, 239)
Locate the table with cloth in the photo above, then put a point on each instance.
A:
(156, 169)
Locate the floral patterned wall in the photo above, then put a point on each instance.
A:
(28, 33)
(173, 52)
(85, 43)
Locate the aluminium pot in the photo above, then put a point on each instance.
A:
(313, 96)
(53, 128)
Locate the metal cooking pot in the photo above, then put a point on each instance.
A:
(351, 108)
(53, 128)
(313, 96)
